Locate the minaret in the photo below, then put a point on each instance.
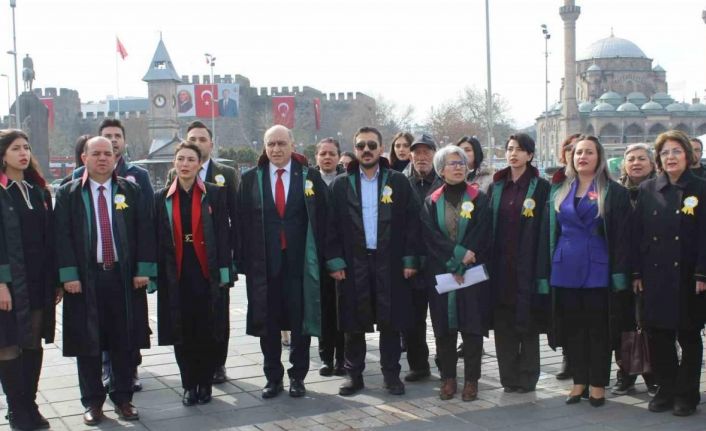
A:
(571, 122)
(162, 79)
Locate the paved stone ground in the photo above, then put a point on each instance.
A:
(237, 404)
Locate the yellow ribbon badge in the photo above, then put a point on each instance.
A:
(220, 180)
(689, 204)
(120, 202)
(308, 188)
(529, 205)
(466, 209)
(386, 195)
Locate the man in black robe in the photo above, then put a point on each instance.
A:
(372, 252)
(105, 254)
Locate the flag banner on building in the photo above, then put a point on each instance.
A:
(206, 100)
(317, 112)
(49, 104)
(283, 110)
(228, 100)
(185, 101)
(121, 48)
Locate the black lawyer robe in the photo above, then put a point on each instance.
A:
(214, 221)
(304, 249)
(16, 325)
(444, 255)
(397, 248)
(134, 239)
(529, 305)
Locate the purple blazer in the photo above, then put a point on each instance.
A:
(581, 257)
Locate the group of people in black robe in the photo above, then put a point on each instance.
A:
(337, 252)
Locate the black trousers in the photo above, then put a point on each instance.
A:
(587, 339)
(110, 302)
(331, 341)
(416, 337)
(677, 380)
(271, 344)
(197, 354)
(517, 351)
(447, 355)
(390, 352)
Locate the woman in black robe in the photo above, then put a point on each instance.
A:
(193, 272)
(27, 278)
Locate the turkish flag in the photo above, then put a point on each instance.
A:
(206, 100)
(121, 49)
(283, 110)
(317, 112)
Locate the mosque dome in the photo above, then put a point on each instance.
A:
(697, 107)
(604, 107)
(586, 106)
(612, 47)
(628, 107)
(651, 106)
(676, 107)
(594, 68)
(662, 98)
(637, 98)
(658, 68)
(611, 97)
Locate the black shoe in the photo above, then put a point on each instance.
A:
(509, 389)
(326, 369)
(205, 394)
(624, 385)
(190, 397)
(683, 410)
(658, 404)
(296, 388)
(596, 402)
(564, 373)
(339, 369)
(272, 389)
(573, 399)
(394, 386)
(351, 385)
(523, 390)
(417, 375)
(219, 376)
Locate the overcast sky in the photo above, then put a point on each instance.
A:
(412, 52)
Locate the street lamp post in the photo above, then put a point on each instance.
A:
(9, 121)
(489, 95)
(211, 61)
(544, 149)
(18, 115)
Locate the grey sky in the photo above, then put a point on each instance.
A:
(417, 52)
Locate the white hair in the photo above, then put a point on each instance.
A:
(441, 155)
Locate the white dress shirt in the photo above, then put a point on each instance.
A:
(108, 193)
(204, 170)
(285, 179)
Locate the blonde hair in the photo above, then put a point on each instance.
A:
(601, 178)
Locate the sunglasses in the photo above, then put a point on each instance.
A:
(372, 145)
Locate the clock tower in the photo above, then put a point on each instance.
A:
(162, 79)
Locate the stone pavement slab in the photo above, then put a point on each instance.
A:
(237, 404)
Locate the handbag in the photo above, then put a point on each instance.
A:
(634, 346)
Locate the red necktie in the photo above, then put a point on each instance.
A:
(106, 233)
(280, 204)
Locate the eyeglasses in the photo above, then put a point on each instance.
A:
(676, 152)
(372, 145)
(456, 164)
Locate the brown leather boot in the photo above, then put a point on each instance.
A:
(470, 391)
(448, 389)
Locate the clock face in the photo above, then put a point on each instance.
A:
(159, 101)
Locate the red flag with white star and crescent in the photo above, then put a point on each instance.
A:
(206, 100)
(283, 110)
(121, 49)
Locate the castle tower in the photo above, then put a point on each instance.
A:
(162, 79)
(570, 114)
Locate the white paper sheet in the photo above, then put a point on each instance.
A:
(474, 275)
